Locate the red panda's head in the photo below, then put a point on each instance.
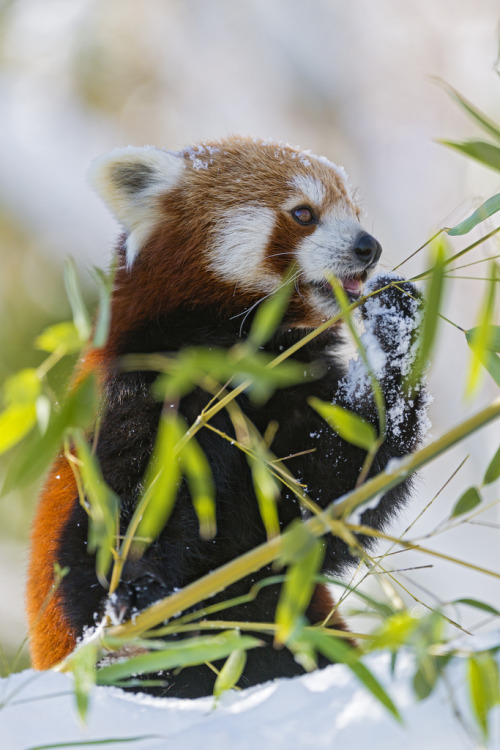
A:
(220, 222)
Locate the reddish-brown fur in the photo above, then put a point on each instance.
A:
(51, 638)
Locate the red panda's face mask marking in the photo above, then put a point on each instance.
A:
(241, 211)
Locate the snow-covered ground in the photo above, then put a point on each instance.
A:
(324, 709)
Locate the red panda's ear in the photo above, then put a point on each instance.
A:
(130, 181)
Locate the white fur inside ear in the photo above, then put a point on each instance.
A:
(130, 181)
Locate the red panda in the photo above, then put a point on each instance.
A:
(208, 234)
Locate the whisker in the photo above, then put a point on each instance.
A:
(247, 312)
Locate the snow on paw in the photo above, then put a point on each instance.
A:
(392, 314)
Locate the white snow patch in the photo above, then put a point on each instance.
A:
(325, 709)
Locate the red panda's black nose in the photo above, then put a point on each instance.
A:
(367, 249)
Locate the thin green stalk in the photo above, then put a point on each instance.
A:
(369, 531)
(459, 254)
(431, 239)
(51, 361)
(474, 263)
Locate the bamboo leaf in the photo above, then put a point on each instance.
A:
(492, 337)
(230, 672)
(378, 396)
(103, 506)
(296, 591)
(15, 423)
(81, 316)
(103, 318)
(491, 363)
(161, 481)
(337, 651)
(424, 679)
(184, 653)
(77, 411)
(466, 502)
(347, 424)
(395, 631)
(201, 484)
(92, 743)
(486, 153)
(297, 542)
(477, 605)
(270, 312)
(478, 342)
(481, 119)
(485, 210)
(64, 335)
(84, 662)
(267, 491)
(22, 388)
(493, 470)
(484, 692)
(433, 300)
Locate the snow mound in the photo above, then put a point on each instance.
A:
(325, 709)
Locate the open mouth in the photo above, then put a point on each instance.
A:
(352, 285)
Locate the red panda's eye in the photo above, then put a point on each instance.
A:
(303, 215)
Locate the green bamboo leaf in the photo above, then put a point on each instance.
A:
(103, 506)
(296, 592)
(477, 605)
(297, 542)
(481, 119)
(378, 396)
(103, 318)
(493, 470)
(337, 651)
(230, 672)
(348, 425)
(64, 335)
(425, 679)
(491, 363)
(84, 661)
(199, 476)
(395, 631)
(492, 337)
(161, 482)
(81, 316)
(485, 210)
(92, 743)
(270, 312)
(186, 653)
(433, 301)
(22, 388)
(267, 491)
(15, 423)
(484, 691)
(469, 500)
(486, 153)
(479, 341)
(76, 411)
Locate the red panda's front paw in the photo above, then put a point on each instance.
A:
(392, 312)
(133, 596)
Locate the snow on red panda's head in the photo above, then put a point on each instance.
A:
(218, 223)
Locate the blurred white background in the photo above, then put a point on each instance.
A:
(352, 81)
